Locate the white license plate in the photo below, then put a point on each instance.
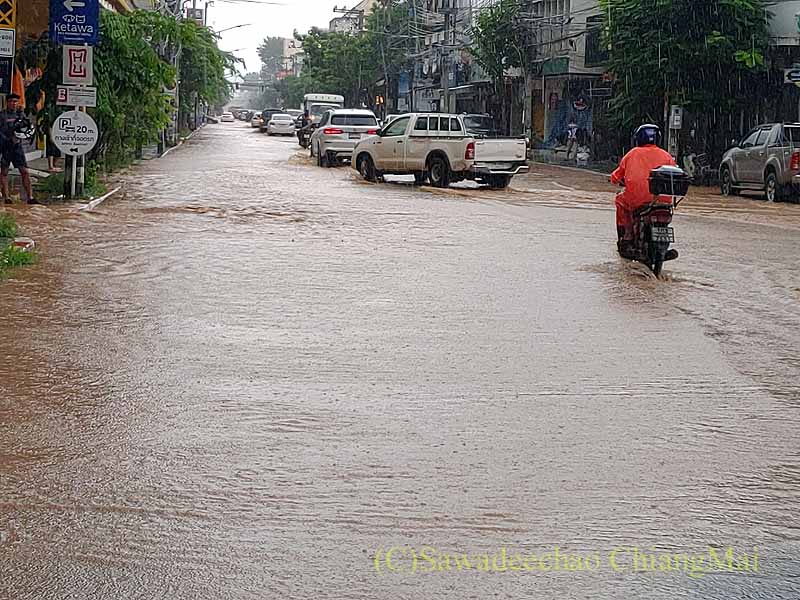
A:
(662, 234)
(355, 136)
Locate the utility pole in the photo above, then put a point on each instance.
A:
(446, 64)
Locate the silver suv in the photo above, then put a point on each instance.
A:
(767, 158)
(338, 133)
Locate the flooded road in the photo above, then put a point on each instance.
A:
(251, 378)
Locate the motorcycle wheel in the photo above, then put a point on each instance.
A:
(657, 253)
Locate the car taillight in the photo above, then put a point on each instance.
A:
(372, 132)
(470, 153)
(794, 164)
(332, 131)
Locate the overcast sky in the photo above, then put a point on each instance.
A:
(268, 20)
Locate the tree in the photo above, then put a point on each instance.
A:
(131, 75)
(351, 65)
(203, 68)
(271, 53)
(500, 43)
(706, 56)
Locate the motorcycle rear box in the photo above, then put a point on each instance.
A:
(669, 181)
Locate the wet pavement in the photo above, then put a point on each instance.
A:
(248, 377)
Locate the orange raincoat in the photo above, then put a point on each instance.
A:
(634, 170)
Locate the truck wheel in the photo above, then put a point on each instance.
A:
(367, 168)
(499, 182)
(726, 183)
(772, 190)
(439, 172)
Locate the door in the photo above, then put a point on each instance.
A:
(417, 146)
(741, 156)
(390, 149)
(757, 158)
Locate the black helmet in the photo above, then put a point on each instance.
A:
(647, 135)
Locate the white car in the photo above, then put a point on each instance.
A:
(439, 148)
(228, 117)
(255, 121)
(281, 124)
(338, 133)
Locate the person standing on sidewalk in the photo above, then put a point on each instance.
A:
(11, 150)
(572, 138)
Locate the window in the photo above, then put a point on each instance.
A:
(763, 134)
(325, 118)
(356, 120)
(791, 135)
(750, 140)
(455, 125)
(596, 51)
(434, 124)
(481, 126)
(422, 124)
(397, 127)
(444, 124)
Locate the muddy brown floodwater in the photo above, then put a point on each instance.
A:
(252, 378)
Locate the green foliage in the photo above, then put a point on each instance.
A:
(707, 56)
(8, 226)
(203, 68)
(271, 53)
(131, 77)
(498, 42)
(12, 257)
(133, 68)
(351, 65)
(92, 187)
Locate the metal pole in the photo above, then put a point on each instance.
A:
(74, 178)
(80, 186)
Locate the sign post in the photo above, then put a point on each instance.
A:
(75, 133)
(75, 24)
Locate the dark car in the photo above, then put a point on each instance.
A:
(266, 116)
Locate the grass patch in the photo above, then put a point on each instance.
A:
(8, 226)
(11, 256)
(93, 187)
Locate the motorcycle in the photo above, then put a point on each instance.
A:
(304, 134)
(652, 234)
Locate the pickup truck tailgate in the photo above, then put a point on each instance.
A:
(499, 151)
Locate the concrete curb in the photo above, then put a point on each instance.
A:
(97, 201)
(179, 144)
(578, 169)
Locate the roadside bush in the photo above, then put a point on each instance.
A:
(8, 226)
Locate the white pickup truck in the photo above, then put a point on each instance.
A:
(439, 148)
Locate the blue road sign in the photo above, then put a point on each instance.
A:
(75, 21)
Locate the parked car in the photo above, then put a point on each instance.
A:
(437, 147)
(228, 118)
(767, 158)
(338, 133)
(280, 124)
(255, 120)
(266, 116)
(295, 113)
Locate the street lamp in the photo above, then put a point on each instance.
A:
(234, 27)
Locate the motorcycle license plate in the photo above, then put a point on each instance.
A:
(355, 136)
(662, 234)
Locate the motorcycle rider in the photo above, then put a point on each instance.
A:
(634, 173)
